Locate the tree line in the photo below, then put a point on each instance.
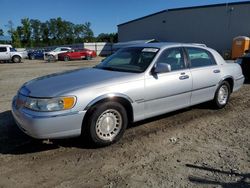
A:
(56, 31)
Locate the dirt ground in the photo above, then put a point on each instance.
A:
(194, 147)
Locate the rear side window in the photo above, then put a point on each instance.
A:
(64, 49)
(3, 49)
(200, 57)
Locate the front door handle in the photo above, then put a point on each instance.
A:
(184, 77)
(216, 71)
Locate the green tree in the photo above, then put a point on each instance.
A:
(45, 34)
(36, 31)
(78, 31)
(108, 37)
(16, 42)
(56, 31)
(26, 32)
(89, 34)
(10, 27)
(68, 34)
(15, 34)
(1, 32)
(52, 26)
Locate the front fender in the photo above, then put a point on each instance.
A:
(108, 96)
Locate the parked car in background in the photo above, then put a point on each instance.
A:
(36, 54)
(23, 52)
(77, 54)
(244, 62)
(53, 55)
(133, 84)
(8, 53)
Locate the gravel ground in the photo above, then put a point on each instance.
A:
(194, 147)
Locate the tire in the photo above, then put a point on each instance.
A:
(88, 57)
(51, 58)
(106, 124)
(222, 95)
(66, 58)
(16, 59)
(32, 57)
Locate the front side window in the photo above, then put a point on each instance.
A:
(133, 59)
(200, 57)
(3, 49)
(173, 57)
(12, 49)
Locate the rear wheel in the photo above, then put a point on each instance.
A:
(66, 58)
(222, 95)
(88, 57)
(32, 57)
(16, 59)
(106, 124)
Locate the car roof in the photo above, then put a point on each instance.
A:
(167, 44)
(63, 47)
(5, 45)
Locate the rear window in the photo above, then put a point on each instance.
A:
(3, 49)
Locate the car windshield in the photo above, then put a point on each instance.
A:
(133, 59)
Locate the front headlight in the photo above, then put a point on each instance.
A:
(52, 104)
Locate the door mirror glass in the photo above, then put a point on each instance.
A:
(162, 68)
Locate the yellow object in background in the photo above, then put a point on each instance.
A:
(240, 45)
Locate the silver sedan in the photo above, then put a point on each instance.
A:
(135, 83)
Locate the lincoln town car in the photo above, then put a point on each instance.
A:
(133, 84)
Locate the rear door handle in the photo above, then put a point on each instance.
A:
(216, 71)
(184, 77)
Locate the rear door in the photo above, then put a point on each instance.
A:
(4, 53)
(83, 54)
(205, 73)
(74, 54)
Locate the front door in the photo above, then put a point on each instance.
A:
(165, 92)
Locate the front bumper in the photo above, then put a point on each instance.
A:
(47, 126)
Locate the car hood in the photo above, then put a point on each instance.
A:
(60, 83)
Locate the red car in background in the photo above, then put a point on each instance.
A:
(77, 54)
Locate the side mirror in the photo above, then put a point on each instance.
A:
(162, 68)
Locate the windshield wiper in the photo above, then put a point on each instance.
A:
(108, 68)
(117, 69)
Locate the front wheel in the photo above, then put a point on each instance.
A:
(222, 95)
(107, 123)
(51, 58)
(88, 57)
(16, 59)
(32, 57)
(66, 58)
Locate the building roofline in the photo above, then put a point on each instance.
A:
(186, 8)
